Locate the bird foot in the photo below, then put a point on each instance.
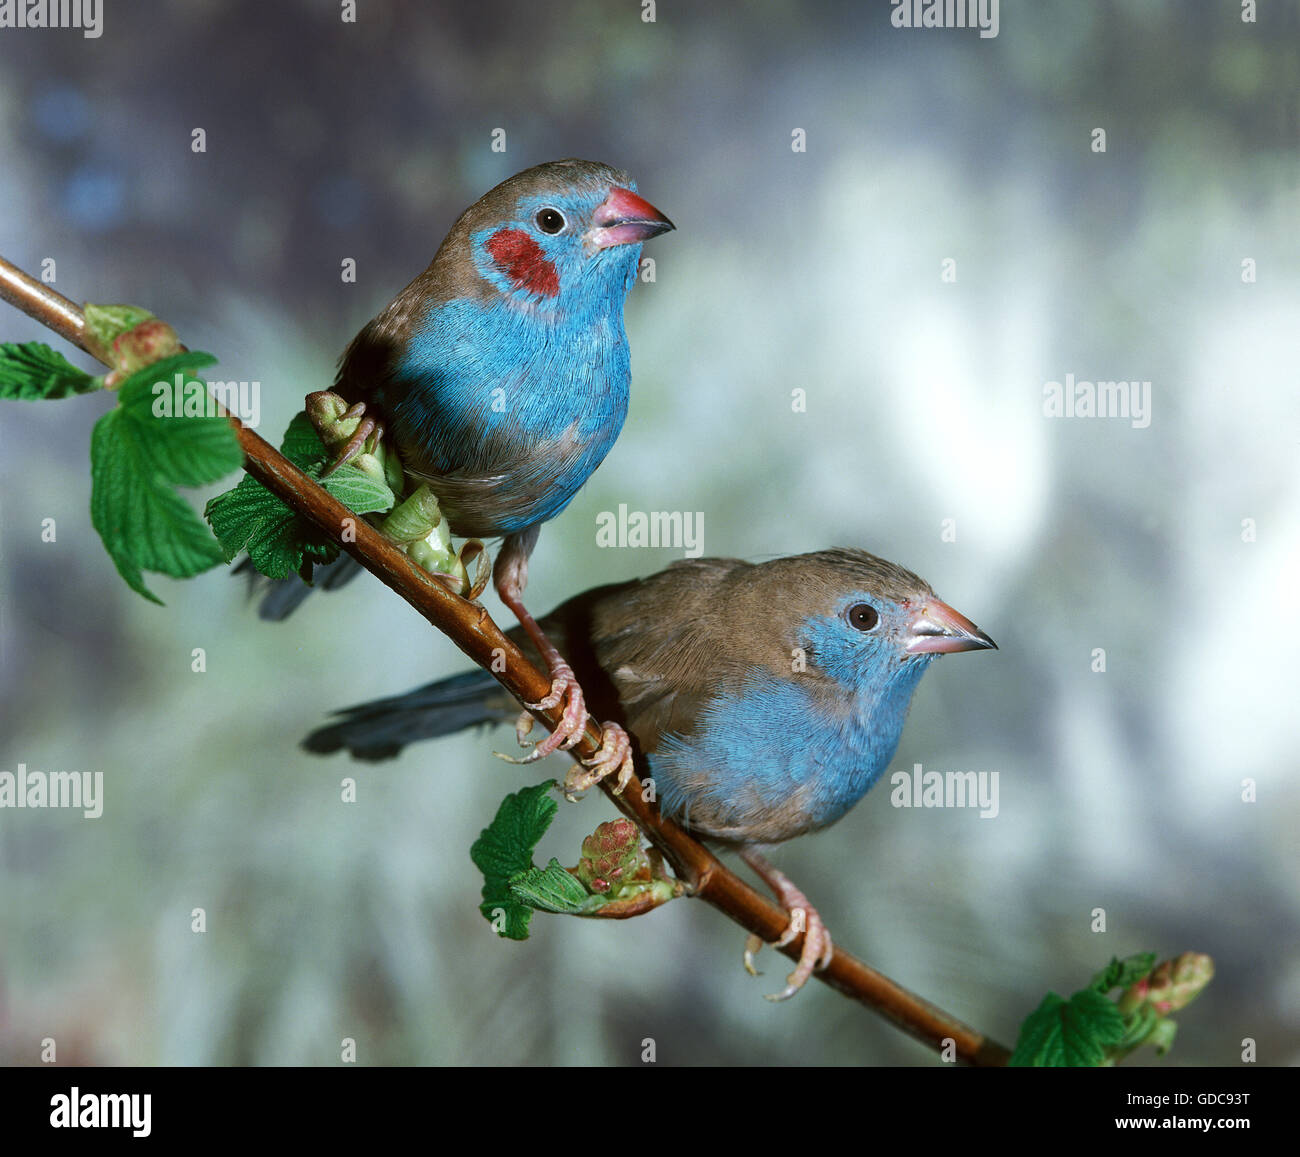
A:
(804, 919)
(615, 754)
(573, 721)
(344, 430)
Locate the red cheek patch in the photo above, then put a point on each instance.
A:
(521, 259)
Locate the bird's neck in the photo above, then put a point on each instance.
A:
(859, 734)
(874, 719)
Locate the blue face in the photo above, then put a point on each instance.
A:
(862, 645)
(543, 257)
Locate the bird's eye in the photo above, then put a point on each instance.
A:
(863, 616)
(549, 220)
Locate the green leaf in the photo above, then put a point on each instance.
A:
(551, 888)
(251, 518)
(1039, 1033)
(505, 846)
(302, 445)
(504, 850)
(358, 491)
(1076, 1032)
(1123, 973)
(192, 445)
(1138, 1025)
(143, 523)
(33, 371)
(279, 541)
(352, 487)
(138, 453)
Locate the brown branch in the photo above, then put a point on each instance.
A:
(469, 626)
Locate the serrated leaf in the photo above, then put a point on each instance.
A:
(551, 888)
(137, 454)
(352, 487)
(504, 850)
(143, 523)
(251, 518)
(1073, 1033)
(1039, 1033)
(505, 846)
(301, 444)
(513, 916)
(279, 541)
(1123, 973)
(186, 449)
(32, 371)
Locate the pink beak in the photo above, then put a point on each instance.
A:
(623, 218)
(939, 630)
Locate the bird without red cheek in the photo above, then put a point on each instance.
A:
(745, 748)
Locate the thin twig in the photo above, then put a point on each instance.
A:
(469, 626)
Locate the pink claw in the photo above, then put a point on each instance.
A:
(615, 755)
(568, 733)
(817, 950)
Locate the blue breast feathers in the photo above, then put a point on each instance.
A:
(780, 757)
(526, 400)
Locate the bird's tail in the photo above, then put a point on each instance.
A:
(281, 597)
(381, 728)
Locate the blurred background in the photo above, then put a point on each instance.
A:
(818, 270)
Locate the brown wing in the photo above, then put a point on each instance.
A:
(650, 653)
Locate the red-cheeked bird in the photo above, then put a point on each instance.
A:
(501, 375)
